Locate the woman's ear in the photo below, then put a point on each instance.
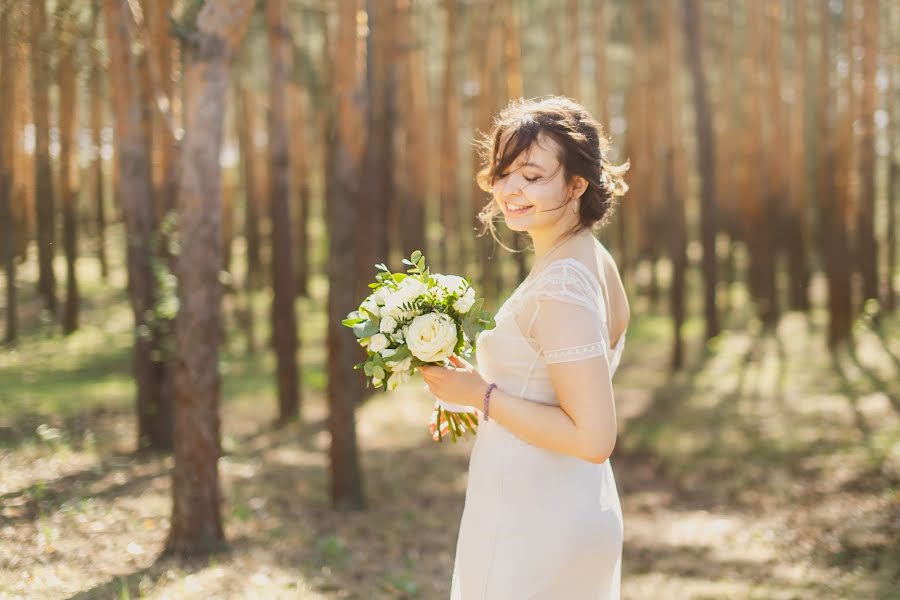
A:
(579, 186)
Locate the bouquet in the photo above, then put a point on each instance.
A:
(417, 318)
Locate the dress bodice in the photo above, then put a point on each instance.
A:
(507, 357)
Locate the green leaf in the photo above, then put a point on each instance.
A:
(378, 372)
(416, 256)
(365, 329)
(352, 322)
(368, 369)
(398, 277)
(402, 352)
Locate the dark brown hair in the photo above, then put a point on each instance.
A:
(583, 148)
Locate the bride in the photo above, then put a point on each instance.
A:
(542, 517)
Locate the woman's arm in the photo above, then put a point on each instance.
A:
(583, 425)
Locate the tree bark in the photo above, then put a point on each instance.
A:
(155, 404)
(867, 248)
(346, 150)
(43, 172)
(8, 72)
(283, 313)
(95, 81)
(68, 166)
(196, 511)
(706, 160)
(449, 156)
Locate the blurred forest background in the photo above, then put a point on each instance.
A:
(194, 193)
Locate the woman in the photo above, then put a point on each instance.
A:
(542, 517)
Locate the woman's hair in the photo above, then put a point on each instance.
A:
(582, 152)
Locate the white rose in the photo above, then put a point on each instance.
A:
(388, 325)
(451, 283)
(431, 337)
(412, 287)
(378, 342)
(463, 304)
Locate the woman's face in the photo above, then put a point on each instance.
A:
(532, 192)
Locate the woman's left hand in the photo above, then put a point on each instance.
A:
(457, 384)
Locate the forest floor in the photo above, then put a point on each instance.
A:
(765, 469)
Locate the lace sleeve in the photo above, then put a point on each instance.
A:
(566, 320)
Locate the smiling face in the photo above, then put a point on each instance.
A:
(532, 193)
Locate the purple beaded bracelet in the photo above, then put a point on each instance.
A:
(487, 397)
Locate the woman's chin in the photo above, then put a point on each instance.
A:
(515, 223)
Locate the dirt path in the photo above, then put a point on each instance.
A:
(765, 471)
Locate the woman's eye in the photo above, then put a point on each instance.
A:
(532, 178)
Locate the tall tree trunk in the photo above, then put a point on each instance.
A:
(251, 209)
(372, 228)
(449, 155)
(250, 184)
(573, 54)
(798, 229)
(671, 134)
(8, 72)
(893, 193)
(154, 406)
(415, 130)
(300, 122)
(43, 172)
(345, 165)
(283, 315)
(99, 191)
(867, 249)
(196, 511)
(706, 156)
(68, 166)
(832, 228)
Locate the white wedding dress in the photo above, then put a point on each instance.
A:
(536, 523)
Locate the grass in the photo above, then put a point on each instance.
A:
(766, 469)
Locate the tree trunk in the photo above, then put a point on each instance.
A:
(706, 160)
(797, 227)
(573, 54)
(671, 134)
(449, 156)
(196, 512)
(346, 150)
(298, 108)
(150, 361)
(283, 315)
(251, 210)
(99, 192)
(893, 193)
(43, 172)
(867, 249)
(8, 71)
(68, 166)
(414, 103)
(514, 90)
(832, 228)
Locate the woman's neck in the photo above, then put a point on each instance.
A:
(546, 243)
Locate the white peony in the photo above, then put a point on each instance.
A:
(378, 342)
(432, 337)
(388, 325)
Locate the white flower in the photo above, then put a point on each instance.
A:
(432, 337)
(381, 295)
(451, 283)
(376, 382)
(370, 305)
(399, 334)
(378, 342)
(396, 378)
(388, 325)
(387, 352)
(412, 287)
(463, 304)
(403, 365)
